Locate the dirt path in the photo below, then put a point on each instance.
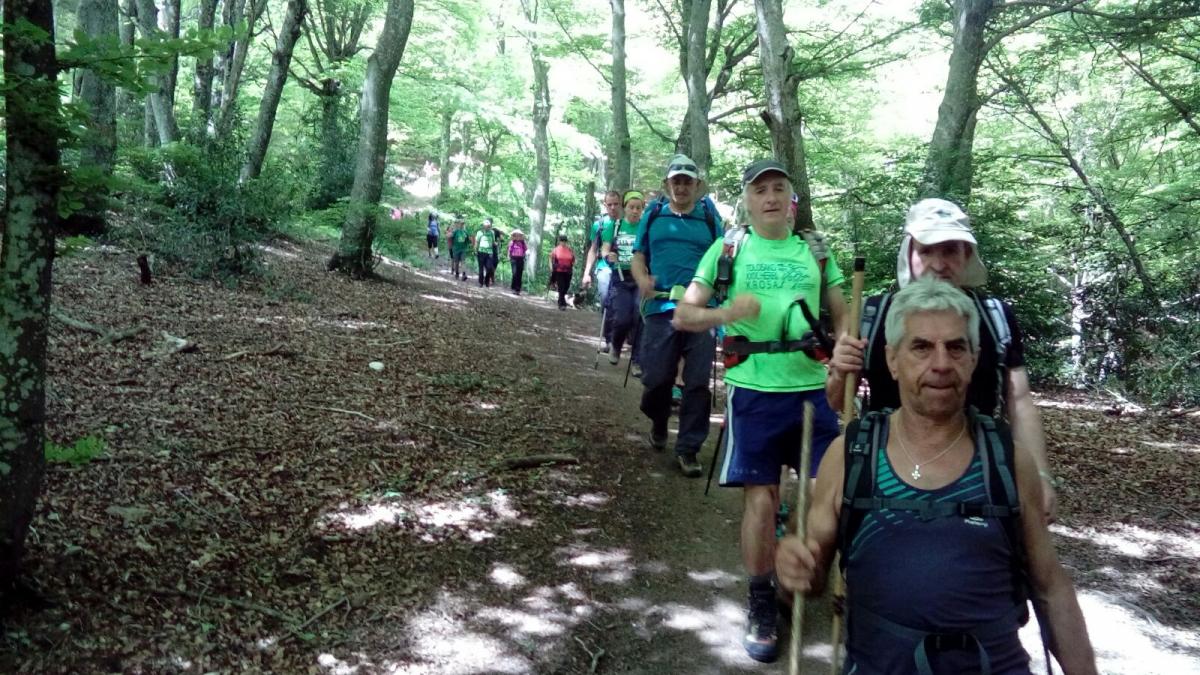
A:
(273, 503)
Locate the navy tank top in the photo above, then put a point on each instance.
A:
(944, 575)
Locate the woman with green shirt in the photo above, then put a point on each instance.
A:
(773, 270)
(617, 248)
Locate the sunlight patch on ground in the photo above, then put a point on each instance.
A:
(715, 578)
(1126, 640)
(276, 251)
(471, 514)
(593, 501)
(487, 406)
(444, 300)
(443, 644)
(506, 576)
(611, 566)
(1181, 447)
(1134, 542)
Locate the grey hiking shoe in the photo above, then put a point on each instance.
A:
(605, 348)
(689, 465)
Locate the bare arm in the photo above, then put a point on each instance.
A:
(838, 310)
(586, 280)
(641, 273)
(1052, 588)
(803, 566)
(1027, 432)
(693, 316)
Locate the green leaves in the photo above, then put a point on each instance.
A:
(81, 452)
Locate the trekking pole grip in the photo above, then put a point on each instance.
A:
(801, 530)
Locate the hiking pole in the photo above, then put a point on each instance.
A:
(839, 584)
(603, 315)
(712, 466)
(801, 530)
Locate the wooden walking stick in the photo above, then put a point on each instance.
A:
(801, 530)
(839, 584)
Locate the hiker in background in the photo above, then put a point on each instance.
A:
(770, 297)
(944, 540)
(617, 251)
(460, 241)
(601, 230)
(431, 235)
(485, 242)
(672, 238)
(938, 242)
(516, 256)
(562, 260)
(494, 260)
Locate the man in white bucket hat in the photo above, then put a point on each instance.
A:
(938, 241)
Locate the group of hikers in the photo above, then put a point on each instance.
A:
(486, 242)
(937, 497)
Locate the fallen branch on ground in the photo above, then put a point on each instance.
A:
(344, 412)
(109, 336)
(277, 350)
(535, 461)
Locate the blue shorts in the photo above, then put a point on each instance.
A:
(763, 432)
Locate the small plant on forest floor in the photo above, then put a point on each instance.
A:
(80, 452)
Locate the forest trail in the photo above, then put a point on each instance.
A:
(268, 501)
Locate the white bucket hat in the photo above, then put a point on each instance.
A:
(933, 221)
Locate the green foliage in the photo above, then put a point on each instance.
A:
(70, 246)
(207, 221)
(80, 452)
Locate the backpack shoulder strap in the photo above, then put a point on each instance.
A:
(655, 212)
(710, 218)
(862, 445)
(871, 323)
(991, 315)
(819, 248)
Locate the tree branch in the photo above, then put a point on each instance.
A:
(1022, 25)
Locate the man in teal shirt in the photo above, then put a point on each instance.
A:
(672, 238)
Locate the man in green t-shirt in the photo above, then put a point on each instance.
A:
(773, 271)
(460, 241)
(603, 270)
(485, 243)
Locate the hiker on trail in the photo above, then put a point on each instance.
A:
(772, 367)
(602, 230)
(944, 541)
(938, 242)
(562, 260)
(517, 248)
(460, 241)
(485, 243)
(672, 238)
(432, 234)
(495, 259)
(617, 250)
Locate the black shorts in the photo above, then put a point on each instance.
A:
(431, 240)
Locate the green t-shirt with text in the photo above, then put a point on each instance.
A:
(601, 230)
(626, 234)
(459, 239)
(484, 240)
(777, 272)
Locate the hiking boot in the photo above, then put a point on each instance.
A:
(689, 464)
(636, 370)
(658, 437)
(614, 357)
(761, 641)
(605, 348)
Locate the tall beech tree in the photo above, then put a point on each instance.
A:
(33, 178)
(281, 58)
(355, 255)
(621, 163)
(98, 154)
(541, 135)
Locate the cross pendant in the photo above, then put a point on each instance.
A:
(916, 472)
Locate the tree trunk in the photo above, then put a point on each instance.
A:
(202, 82)
(444, 157)
(333, 156)
(541, 149)
(783, 108)
(32, 180)
(354, 254)
(159, 98)
(696, 79)
(129, 109)
(98, 154)
(169, 24)
(235, 62)
(948, 168)
(622, 159)
(269, 105)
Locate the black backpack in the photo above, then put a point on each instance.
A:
(656, 210)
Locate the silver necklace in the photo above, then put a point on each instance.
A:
(916, 472)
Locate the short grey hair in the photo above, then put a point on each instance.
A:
(930, 294)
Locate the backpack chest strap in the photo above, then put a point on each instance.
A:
(929, 510)
(929, 640)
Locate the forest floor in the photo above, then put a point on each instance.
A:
(267, 501)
